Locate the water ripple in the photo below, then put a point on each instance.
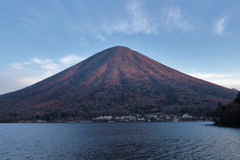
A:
(149, 141)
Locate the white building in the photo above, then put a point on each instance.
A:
(186, 116)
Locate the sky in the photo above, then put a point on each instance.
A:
(40, 38)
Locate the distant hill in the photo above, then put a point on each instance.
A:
(115, 81)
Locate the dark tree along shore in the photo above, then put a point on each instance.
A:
(227, 115)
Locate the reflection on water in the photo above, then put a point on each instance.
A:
(183, 140)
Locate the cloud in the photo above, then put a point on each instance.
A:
(46, 64)
(102, 38)
(17, 66)
(33, 22)
(227, 80)
(220, 26)
(70, 59)
(139, 21)
(135, 21)
(29, 24)
(172, 17)
(212, 75)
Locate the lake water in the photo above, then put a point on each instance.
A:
(160, 140)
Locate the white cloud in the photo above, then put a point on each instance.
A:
(226, 80)
(46, 64)
(17, 66)
(139, 21)
(220, 26)
(172, 17)
(70, 59)
(102, 38)
(212, 75)
(135, 21)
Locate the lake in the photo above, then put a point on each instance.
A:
(150, 141)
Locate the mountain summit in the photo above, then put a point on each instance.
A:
(115, 81)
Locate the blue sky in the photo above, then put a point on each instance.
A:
(39, 38)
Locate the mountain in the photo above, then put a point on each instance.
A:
(115, 81)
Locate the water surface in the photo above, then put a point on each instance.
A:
(166, 140)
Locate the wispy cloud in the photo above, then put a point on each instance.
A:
(18, 66)
(70, 59)
(212, 75)
(140, 21)
(173, 17)
(220, 26)
(29, 24)
(46, 64)
(227, 80)
(102, 38)
(34, 21)
(136, 20)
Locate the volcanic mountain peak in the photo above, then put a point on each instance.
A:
(117, 80)
(118, 53)
(118, 50)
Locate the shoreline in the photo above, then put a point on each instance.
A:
(113, 122)
(225, 126)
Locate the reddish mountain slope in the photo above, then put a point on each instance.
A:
(115, 81)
